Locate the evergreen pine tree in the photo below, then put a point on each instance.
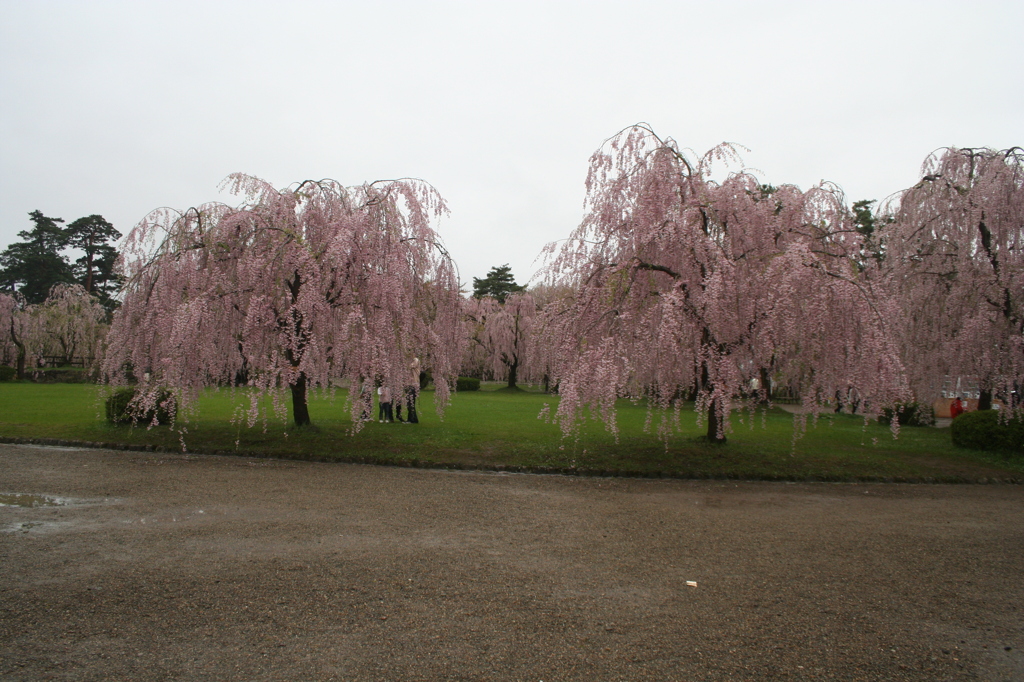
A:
(498, 283)
(34, 265)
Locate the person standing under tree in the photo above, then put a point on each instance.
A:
(956, 409)
(384, 413)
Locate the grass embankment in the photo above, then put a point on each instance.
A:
(501, 429)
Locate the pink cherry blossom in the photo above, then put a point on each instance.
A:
(310, 287)
(954, 256)
(69, 325)
(15, 322)
(688, 287)
(500, 335)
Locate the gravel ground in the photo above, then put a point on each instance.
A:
(160, 567)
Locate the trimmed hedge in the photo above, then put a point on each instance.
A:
(983, 430)
(121, 411)
(467, 384)
(7, 373)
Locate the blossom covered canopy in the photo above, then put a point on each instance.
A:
(501, 336)
(954, 255)
(14, 321)
(68, 325)
(689, 286)
(313, 285)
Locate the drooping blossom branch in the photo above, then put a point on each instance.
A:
(689, 287)
(14, 325)
(69, 324)
(500, 335)
(954, 255)
(306, 287)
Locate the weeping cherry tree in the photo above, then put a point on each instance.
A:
(306, 287)
(14, 330)
(69, 324)
(954, 255)
(687, 287)
(500, 334)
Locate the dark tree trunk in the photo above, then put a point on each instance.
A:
(714, 421)
(513, 371)
(21, 353)
(21, 361)
(242, 375)
(88, 267)
(766, 386)
(985, 400)
(714, 418)
(300, 409)
(68, 356)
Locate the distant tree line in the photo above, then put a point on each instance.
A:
(34, 265)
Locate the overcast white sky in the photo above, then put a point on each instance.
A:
(118, 108)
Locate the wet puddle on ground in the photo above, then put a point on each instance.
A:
(31, 500)
(39, 511)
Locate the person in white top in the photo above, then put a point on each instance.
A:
(384, 412)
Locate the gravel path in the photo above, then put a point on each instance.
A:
(212, 568)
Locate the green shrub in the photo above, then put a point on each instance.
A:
(467, 384)
(7, 373)
(983, 430)
(120, 409)
(909, 414)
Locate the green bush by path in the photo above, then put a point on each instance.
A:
(984, 430)
(501, 429)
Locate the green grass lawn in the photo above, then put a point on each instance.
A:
(499, 428)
